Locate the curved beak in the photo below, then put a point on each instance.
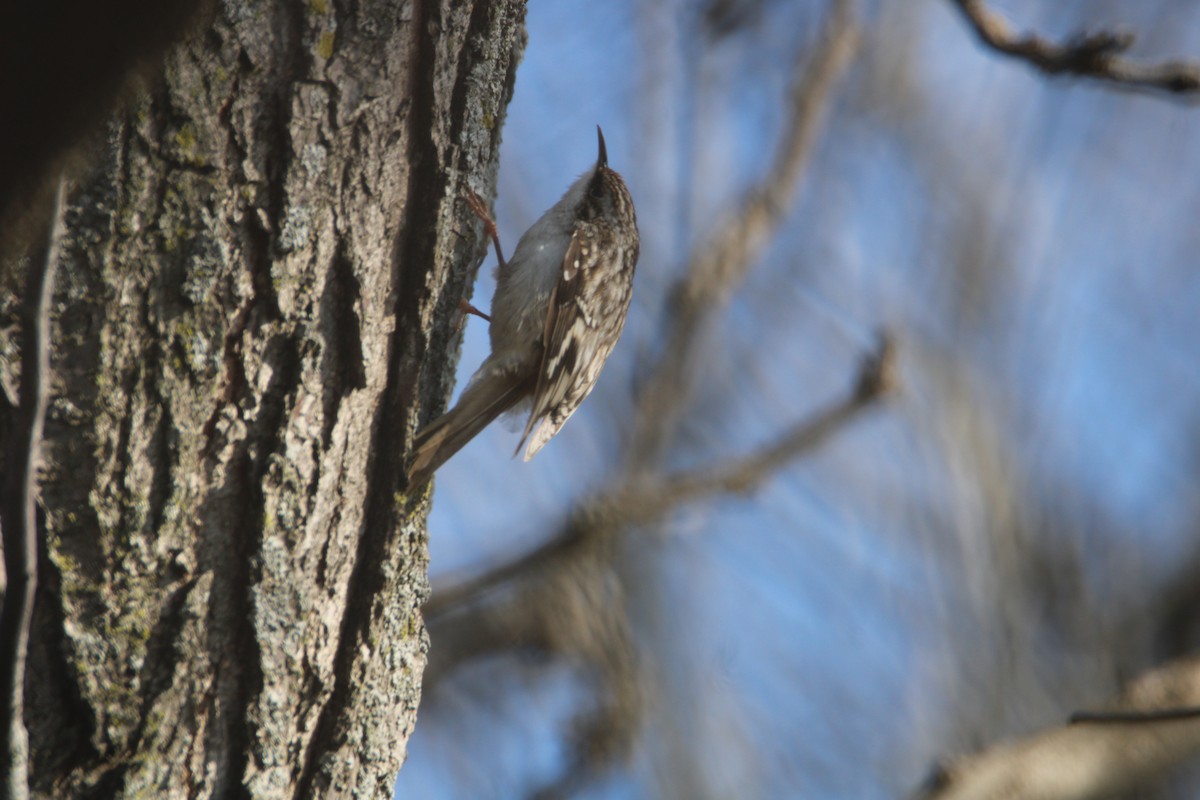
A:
(602, 161)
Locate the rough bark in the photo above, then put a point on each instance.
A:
(256, 302)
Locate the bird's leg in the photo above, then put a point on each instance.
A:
(465, 307)
(475, 203)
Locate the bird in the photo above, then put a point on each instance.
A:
(558, 310)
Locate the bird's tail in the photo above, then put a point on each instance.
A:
(482, 401)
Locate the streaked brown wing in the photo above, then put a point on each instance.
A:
(567, 371)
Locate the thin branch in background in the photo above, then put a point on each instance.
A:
(1078, 761)
(1134, 717)
(644, 502)
(18, 507)
(722, 261)
(571, 609)
(1096, 55)
(620, 507)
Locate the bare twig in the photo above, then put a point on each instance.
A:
(1091, 55)
(18, 508)
(1134, 717)
(1089, 760)
(721, 262)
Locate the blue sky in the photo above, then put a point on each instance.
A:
(823, 637)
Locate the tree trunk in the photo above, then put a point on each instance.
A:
(255, 303)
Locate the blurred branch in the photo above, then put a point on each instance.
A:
(721, 262)
(561, 597)
(1177, 615)
(571, 609)
(643, 502)
(1091, 55)
(18, 506)
(1134, 717)
(1088, 759)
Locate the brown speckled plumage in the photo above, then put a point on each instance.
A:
(559, 308)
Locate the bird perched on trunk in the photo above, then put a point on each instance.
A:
(558, 310)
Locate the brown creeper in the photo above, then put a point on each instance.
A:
(559, 307)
